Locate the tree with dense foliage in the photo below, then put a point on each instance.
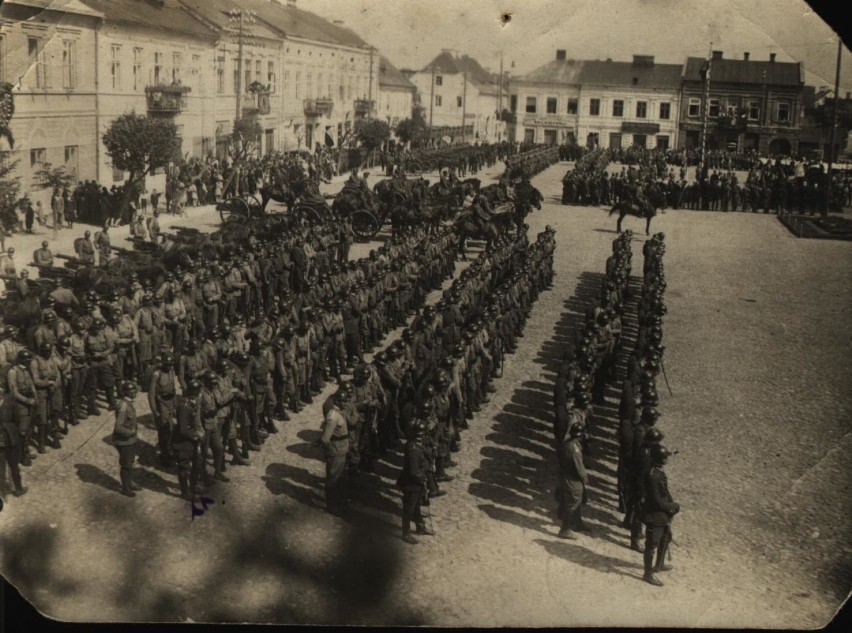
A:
(372, 135)
(140, 145)
(413, 131)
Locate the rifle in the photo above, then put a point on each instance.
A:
(666, 377)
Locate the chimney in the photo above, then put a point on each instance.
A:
(745, 56)
(771, 57)
(338, 22)
(643, 60)
(560, 54)
(717, 55)
(291, 3)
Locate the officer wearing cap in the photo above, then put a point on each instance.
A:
(43, 256)
(188, 435)
(335, 439)
(124, 437)
(573, 479)
(162, 392)
(413, 482)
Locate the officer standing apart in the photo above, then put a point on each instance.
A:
(335, 439)
(573, 480)
(124, 437)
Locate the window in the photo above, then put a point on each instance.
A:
(458, 102)
(236, 75)
(330, 92)
(71, 162)
(531, 105)
(258, 65)
(247, 74)
(753, 110)
(713, 107)
(220, 74)
(665, 110)
(69, 63)
(319, 86)
(270, 77)
(2, 57)
(594, 107)
(177, 62)
(115, 66)
(641, 109)
(439, 81)
(342, 92)
(137, 69)
(733, 110)
(35, 50)
(117, 175)
(438, 101)
(572, 106)
(298, 85)
(159, 70)
(640, 140)
(551, 105)
(529, 135)
(309, 90)
(663, 142)
(783, 112)
(349, 88)
(618, 107)
(195, 72)
(38, 158)
(513, 103)
(286, 86)
(694, 109)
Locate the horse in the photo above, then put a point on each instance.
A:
(526, 197)
(625, 208)
(499, 225)
(280, 194)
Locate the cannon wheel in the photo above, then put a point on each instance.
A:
(309, 212)
(254, 206)
(415, 168)
(365, 225)
(233, 207)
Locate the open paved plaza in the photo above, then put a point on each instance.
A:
(759, 362)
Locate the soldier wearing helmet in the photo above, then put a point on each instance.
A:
(413, 481)
(100, 349)
(22, 390)
(162, 394)
(48, 383)
(186, 442)
(657, 510)
(9, 348)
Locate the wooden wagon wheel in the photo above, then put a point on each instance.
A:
(415, 167)
(254, 206)
(310, 212)
(233, 206)
(365, 225)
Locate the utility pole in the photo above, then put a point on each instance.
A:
(431, 101)
(239, 86)
(464, 104)
(705, 107)
(497, 126)
(833, 129)
(370, 101)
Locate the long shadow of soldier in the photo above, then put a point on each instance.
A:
(91, 474)
(581, 556)
(297, 483)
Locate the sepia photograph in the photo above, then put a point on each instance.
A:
(425, 313)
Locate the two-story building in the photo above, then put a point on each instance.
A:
(461, 99)
(396, 94)
(48, 55)
(545, 103)
(629, 104)
(749, 104)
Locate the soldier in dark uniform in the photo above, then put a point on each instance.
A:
(187, 439)
(10, 442)
(413, 482)
(658, 510)
(335, 439)
(22, 389)
(162, 400)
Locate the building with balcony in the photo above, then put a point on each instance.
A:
(48, 55)
(544, 104)
(751, 104)
(461, 99)
(629, 104)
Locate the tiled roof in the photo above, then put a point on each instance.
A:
(740, 71)
(167, 15)
(389, 75)
(609, 73)
(558, 71)
(65, 6)
(483, 80)
(217, 12)
(297, 22)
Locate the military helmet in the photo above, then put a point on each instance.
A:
(577, 429)
(25, 356)
(659, 454)
(425, 409)
(128, 388)
(49, 316)
(362, 372)
(193, 388)
(650, 415)
(63, 342)
(653, 436)
(45, 348)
